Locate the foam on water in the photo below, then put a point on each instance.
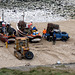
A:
(33, 15)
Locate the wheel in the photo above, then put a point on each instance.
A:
(64, 33)
(29, 55)
(64, 38)
(17, 55)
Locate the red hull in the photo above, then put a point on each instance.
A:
(5, 38)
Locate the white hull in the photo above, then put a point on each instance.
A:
(33, 39)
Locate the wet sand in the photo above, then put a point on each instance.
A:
(44, 52)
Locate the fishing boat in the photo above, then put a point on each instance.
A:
(6, 38)
(7, 33)
(24, 30)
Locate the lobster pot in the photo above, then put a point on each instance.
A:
(21, 25)
(51, 26)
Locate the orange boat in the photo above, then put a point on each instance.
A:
(7, 33)
(23, 30)
(6, 38)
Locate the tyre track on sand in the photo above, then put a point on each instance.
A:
(47, 59)
(39, 57)
(56, 55)
(43, 56)
(11, 50)
(52, 53)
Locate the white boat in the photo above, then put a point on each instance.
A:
(33, 36)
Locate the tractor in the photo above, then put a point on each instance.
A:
(53, 29)
(22, 48)
(59, 35)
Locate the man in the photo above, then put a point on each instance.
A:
(30, 25)
(54, 39)
(44, 32)
(51, 35)
(34, 28)
(4, 28)
(9, 29)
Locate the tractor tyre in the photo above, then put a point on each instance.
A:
(17, 55)
(29, 55)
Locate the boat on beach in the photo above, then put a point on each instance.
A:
(24, 30)
(7, 33)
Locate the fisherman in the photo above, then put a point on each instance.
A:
(30, 25)
(8, 26)
(51, 35)
(54, 39)
(3, 28)
(44, 32)
(34, 29)
(9, 29)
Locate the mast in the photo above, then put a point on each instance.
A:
(3, 15)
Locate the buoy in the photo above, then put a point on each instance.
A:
(58, 62)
